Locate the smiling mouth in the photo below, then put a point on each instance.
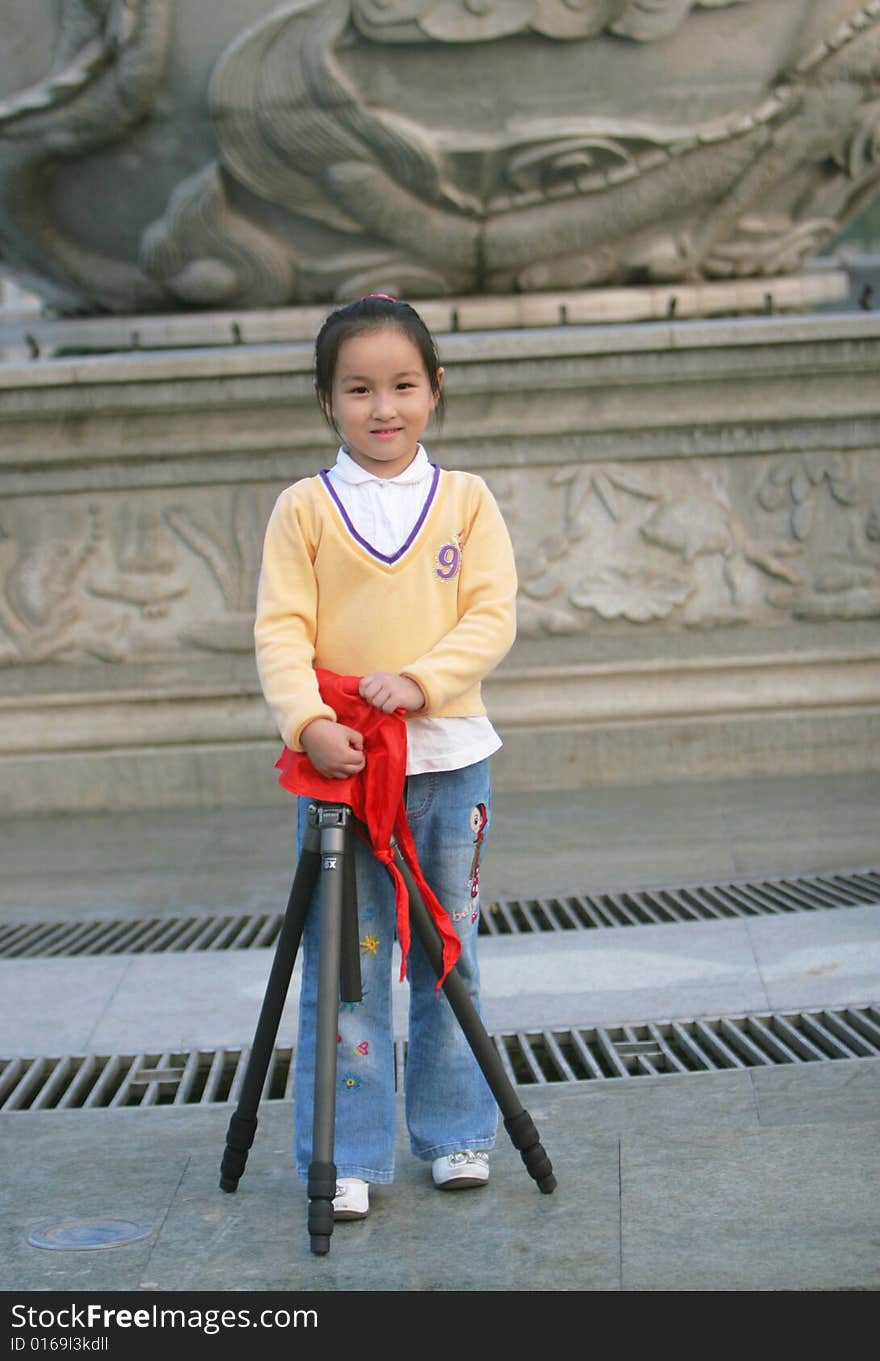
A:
(385, 433)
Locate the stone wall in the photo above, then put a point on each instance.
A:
(695, 508)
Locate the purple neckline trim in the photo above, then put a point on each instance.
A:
(390, 559)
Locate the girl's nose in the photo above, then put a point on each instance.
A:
(383, 406)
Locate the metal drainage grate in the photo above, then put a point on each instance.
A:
(506, 917)
(578, 1054)
(687, 903)
(150, 935)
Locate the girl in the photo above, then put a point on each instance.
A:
(388, 568)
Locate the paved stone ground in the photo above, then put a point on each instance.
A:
(754, 1179)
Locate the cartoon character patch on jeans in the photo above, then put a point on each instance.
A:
(479, 818)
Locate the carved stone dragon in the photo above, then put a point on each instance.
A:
(320, 189)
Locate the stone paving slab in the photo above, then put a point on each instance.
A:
(165, 1164)
(766, 1209)
(242, 859)
(129, 1003)
(666, 1183)
(828, 957)
(621, 974)
(847, 1089)
(51, 1006)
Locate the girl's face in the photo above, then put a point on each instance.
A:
(381, 399)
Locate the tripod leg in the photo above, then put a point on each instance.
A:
(517, 1120)
(350, 987)
(322, 1168)
(243, 1124)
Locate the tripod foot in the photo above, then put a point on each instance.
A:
(322, 1189)
(524, 1136)
(239, 1138)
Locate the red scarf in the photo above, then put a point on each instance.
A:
(375, 797)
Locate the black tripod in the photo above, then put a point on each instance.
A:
(327, 851)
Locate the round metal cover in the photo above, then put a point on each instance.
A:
(72, 1234)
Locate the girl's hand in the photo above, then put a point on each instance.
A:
(388, 692)
(336, 752)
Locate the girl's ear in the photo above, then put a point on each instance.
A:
(440, 375)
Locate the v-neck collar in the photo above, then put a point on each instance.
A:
(390, 559)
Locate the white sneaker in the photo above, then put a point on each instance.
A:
(352, 1199)
(467, 1167)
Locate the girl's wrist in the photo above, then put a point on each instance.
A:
(415, 695)
(313, 729)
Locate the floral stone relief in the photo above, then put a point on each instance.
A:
(116, 579)
(656, 545)
(706, 544)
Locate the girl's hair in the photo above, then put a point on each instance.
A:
(370, 314)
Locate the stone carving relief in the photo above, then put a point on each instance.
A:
(835, 515)
(540, 203)
(690, 543)
(231, 545)
(119, 579)
(698, 544)
(470, 21)
(330, 178)
(109, 58)
(43, 563)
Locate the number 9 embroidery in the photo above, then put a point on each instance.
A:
(448, 561)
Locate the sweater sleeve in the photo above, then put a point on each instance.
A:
(486, 626)
(286, 622)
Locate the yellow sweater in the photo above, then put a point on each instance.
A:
(441, 610)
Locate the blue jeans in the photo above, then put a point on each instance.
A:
(448, 1102)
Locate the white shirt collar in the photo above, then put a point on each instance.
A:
(346, 468)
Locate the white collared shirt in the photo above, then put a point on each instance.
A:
(384, 511)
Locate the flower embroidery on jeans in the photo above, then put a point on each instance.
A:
(350, 1082)
(363, 1048)
(370, 944)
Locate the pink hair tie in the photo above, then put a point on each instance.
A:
(386, 296)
